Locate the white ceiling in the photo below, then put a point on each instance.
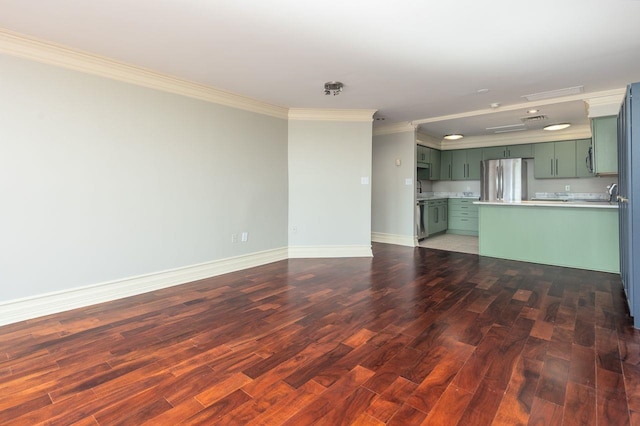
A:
(412, 60)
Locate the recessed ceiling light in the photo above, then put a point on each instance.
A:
(483, 90)
(495, 105)
(560, 126)
(532, 111)
(453, 137)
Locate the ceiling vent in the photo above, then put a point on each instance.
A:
(533, 118)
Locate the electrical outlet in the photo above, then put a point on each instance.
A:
(234, 238)
(294, 229)
(245, 237)
(567, 187)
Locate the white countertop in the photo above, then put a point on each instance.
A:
(561, 204)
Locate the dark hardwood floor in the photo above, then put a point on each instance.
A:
(412, 336)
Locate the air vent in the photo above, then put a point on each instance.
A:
(534, 118)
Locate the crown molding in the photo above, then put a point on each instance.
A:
(516, 138)
(526, 105)
(605, 105)
(320, 114)
(16, 44)
(428, 140)
(392, 128)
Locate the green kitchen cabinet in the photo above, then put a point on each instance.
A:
(422, 154)
(520, 151)
(428, 163)
(584, 166)
(445, 165)
(463, 216)
(434, 169)
(465, 164)
(438, 220)
(494, 152)
(605, 145)
(554, 159)
(511, 151)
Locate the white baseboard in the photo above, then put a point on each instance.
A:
(401, 240)
(51, 303)
(300, 252)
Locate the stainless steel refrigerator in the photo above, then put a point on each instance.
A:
(503, 180)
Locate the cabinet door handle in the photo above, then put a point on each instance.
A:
(552, 167)
(556, 167)
(449, 171)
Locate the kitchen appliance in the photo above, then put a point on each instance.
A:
(503, 180)
(421, 216)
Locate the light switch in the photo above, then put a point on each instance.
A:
(398, 162)
(408, 181)
(364, 180)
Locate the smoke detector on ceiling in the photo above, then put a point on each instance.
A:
(333, 88)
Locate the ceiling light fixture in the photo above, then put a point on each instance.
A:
(560, 126)
(532, 111)
(333, 88)
(453, 137)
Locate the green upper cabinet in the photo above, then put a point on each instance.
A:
(520, 151)
(555, 159)
(465, 164)
(584, 168)
(605, 145)
(511, 151)
(434, 169)
(445, 165)
(422, 156)
(428, 159)
(494, 153)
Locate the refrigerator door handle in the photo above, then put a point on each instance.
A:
(497, 182)
(501, 182)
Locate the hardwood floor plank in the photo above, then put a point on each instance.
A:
(553, 381)
(410, 336)
(580, 405)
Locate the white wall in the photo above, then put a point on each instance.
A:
(329, 208)
(102, 180)
(393, 201)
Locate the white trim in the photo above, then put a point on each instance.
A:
(605, 105)
(54, 54)
(297, 252)
(317, 114)
(515, 138)
(524, 105)
(428, 140)
(400, 240)
(51, 303)
(392, 128)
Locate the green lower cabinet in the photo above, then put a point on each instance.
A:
(574, 237)
(437, 211)
(463, 216)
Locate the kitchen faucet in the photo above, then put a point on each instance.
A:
(419, 185)
(613, 192)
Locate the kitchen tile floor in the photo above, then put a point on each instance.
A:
(452, 242)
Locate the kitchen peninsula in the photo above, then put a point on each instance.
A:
(573, 234)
